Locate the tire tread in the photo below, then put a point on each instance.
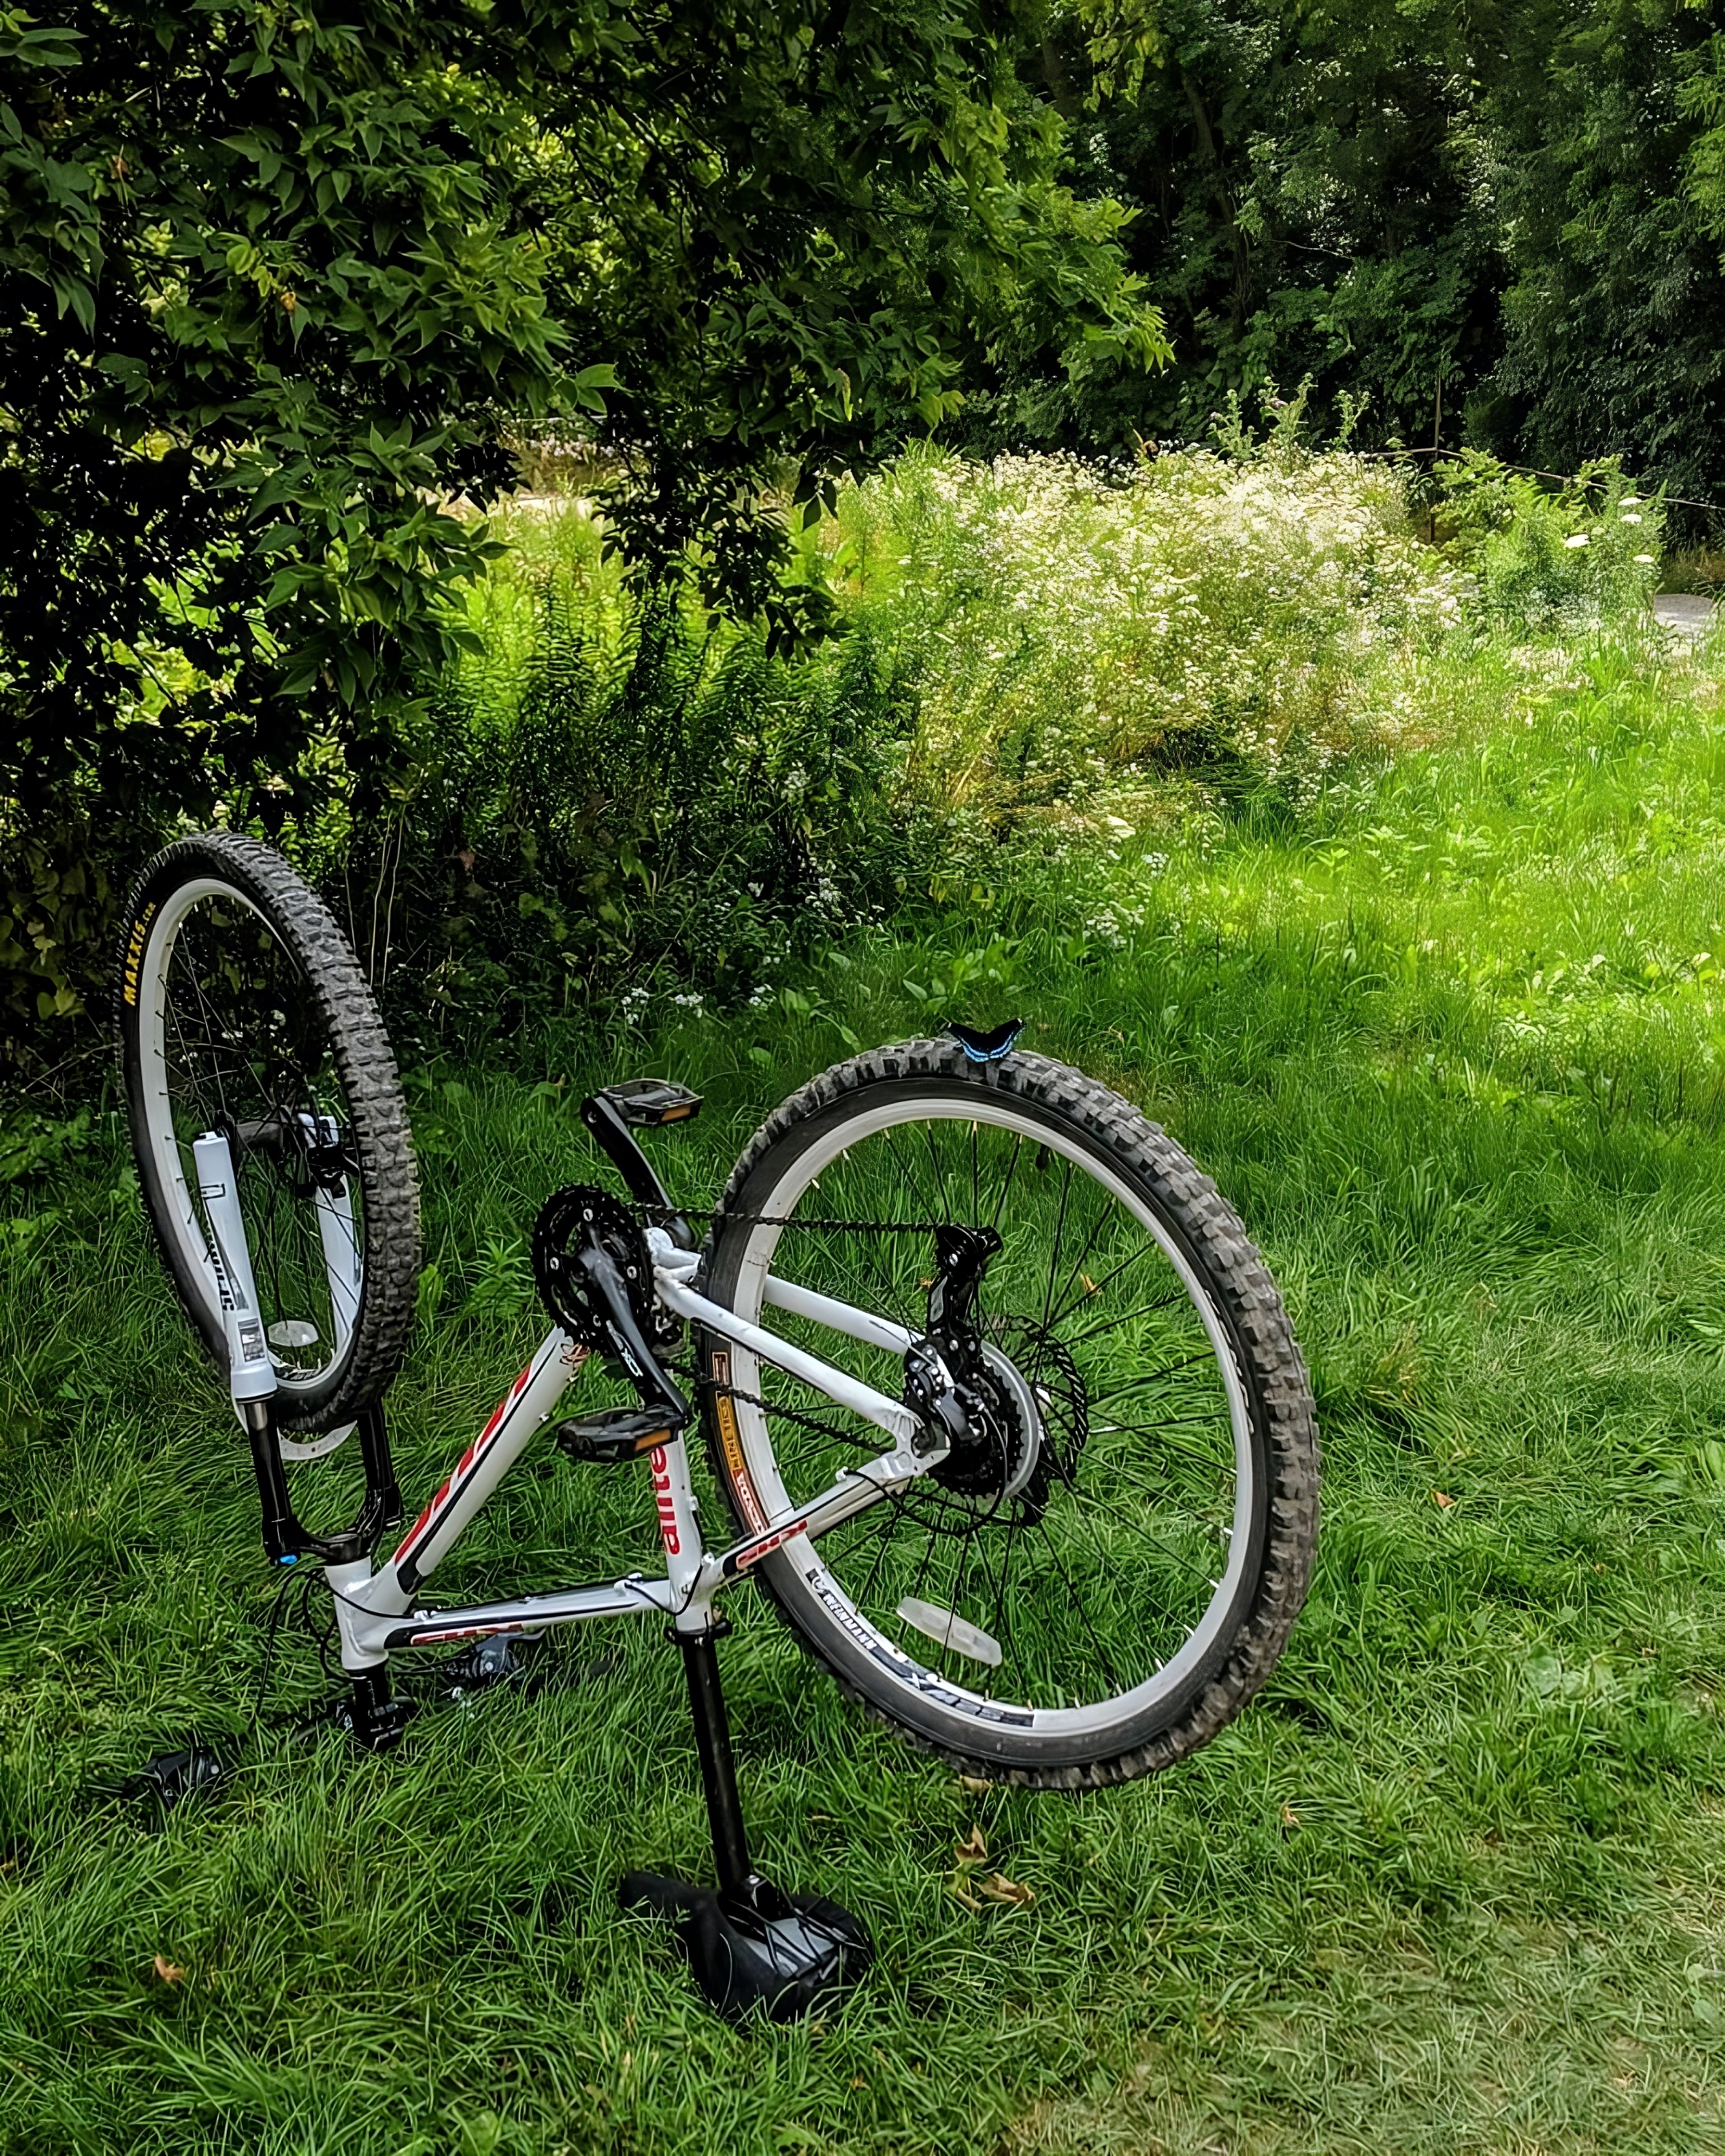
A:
(366, 1065)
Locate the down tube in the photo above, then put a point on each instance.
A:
(523, 1410)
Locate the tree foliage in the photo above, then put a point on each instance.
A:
(806, 235)
(1493, 224)
(278, 287)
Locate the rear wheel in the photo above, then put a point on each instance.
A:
(242, 1010)
(1094, 1584)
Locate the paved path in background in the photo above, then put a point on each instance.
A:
(1686, 613)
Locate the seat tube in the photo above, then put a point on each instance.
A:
(679, 1532)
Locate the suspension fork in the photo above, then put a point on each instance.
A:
(251, 1381)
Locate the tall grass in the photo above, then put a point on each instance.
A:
(614, 800)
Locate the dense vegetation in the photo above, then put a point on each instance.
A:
(1497, 225)
(276, 290)
(277, 294)
(613, 801)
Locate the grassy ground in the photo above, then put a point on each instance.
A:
(1454, 1044)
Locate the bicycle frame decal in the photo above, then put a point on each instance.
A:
(739, 1560)
(667, 1533)
(730, 1441)
(416, 1533)
(523, 1408)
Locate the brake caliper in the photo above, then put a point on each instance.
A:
(947, 1381)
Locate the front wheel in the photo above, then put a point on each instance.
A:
(1099, 1576)
(241, 1011)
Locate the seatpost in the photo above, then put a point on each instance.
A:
(718, 1769)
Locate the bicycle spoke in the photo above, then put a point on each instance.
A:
(1171, 1300)
(1012, 1169)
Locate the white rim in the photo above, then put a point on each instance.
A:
(158, 1117)
(925, 1685)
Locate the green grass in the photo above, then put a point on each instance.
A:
(1453, 1045)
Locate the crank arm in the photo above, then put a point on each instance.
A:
(628, 1341)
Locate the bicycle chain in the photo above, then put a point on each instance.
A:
(778, 1408)
(660, 1216)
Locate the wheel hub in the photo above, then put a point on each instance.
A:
(996, 1458)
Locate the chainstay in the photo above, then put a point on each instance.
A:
(661, 1215)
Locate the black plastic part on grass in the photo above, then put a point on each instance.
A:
(489, 1663)
(171, 1777)
(370, 1714)
(759, 1949)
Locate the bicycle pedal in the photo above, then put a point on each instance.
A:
(645, 1103)
(614, 1434)
(171, 1777)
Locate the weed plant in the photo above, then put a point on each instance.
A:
(615, 797)
(1450, 1036)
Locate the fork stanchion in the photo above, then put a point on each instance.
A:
(383, 1506)
(752, 1948)
(284, 1539)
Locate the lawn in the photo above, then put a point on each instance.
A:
(1452, 1038)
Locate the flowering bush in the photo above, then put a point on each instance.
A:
(618, 807)
(1074, 632)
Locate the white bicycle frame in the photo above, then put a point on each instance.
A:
(378, 1610)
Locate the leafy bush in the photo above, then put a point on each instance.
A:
(615, 797)
(1585, 553)
(1077, 632)
(615, 800)
(612, 801)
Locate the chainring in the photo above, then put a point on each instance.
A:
(582, 1213)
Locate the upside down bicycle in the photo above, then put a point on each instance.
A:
(1003, 1403)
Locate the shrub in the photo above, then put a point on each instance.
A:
(1576, 554)
(1076, 632)
(615, 796)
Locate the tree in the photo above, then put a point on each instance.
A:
(1310, 201)
(1615, 311)
(278, 285)
(1498, 224)
(805, 235)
